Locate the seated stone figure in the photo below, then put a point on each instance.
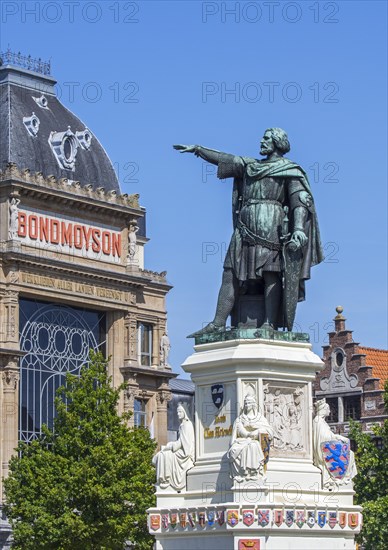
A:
(177, 457)
(331, 451)
(245, 454)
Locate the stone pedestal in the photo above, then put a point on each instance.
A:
(288, 507)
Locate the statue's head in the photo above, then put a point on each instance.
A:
(274, 139)
(182, 411)
(322, 408)
(250, 403)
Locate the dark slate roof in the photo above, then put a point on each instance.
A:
(18, 87)
(181, 385)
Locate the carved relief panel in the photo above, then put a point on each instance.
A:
(286, 409)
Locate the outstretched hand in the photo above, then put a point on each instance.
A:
(185, 148)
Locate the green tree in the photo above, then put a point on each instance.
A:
(88, 483)
(371, 482)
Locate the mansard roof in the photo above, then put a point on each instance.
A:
(40, 134)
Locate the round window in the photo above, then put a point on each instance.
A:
(339, 358)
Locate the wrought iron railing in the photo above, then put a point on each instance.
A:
(26, 62)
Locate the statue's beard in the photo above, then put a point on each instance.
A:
(265, 151)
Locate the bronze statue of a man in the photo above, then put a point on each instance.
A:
(276, 236)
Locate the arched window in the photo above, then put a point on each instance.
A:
(56, 340)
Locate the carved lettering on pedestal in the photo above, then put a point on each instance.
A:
(217, 432)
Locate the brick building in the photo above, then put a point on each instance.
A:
(353, 380)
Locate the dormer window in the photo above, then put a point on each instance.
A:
(41, 101)
(84, 138)
(32, 124)
(64, 146)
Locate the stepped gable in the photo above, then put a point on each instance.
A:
(369, 364)
(40, 134)
(352, 380)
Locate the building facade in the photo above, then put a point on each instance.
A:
(72, 273)
(352, 381)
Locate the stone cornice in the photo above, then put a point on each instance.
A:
(159, 373)
(9, 352)
(140, 278)
(64, 190)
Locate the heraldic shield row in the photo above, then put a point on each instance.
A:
(257, 517)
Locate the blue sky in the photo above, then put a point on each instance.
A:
(145, 75)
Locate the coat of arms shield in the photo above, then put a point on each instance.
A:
(342, 519)
(165, 519)
(278, 517)
(263, 517)
(289, 517)
(173, 520)
(221, 517)
(211, 517)
(202, 519)
(300, 518)
(248, 517)
(183, 519)
(217, 391)
(155, 522)
(321, 519)
(192, 517)
(336, 455)
(311, 518)
(353, 520)
(332, 519)
(232, 517)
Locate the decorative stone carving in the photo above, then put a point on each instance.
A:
(339, 378)
(130, 392)
(331, 451)
(13, 218)
(165, 347)
(10, 301)
(11, 171)
(154, 275)
(163, 397)
(177, 457)
(283, 410)
(246, 453)
(13, 275)
(132, 242)
(10, 379)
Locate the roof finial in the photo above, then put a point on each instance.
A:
(339, 310)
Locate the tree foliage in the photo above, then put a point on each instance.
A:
(86, 484)
(371, 482)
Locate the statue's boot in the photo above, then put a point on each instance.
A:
(211, 327)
